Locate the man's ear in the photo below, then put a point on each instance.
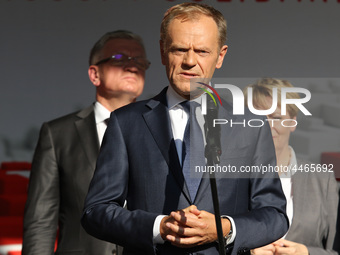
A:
(163, 55)
(94, 75)
(221, 55)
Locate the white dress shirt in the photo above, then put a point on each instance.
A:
(178, 119)
(286, 182)
(101, 114)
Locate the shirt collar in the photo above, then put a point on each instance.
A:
(293, 160)
(100, 112)
(292, 165)
(175, 99)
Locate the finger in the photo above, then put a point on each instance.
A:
(187, 219)
(193, 209)
(265, 250)
(179, 216)
(182, 230)
(279, 243)
(283, 250)
(286, 242)
(260, 251)
(183, 242)
(270, 248)
(190, 208)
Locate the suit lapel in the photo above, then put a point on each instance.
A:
(158, 122)
(228, 131)
(88, 136)
(298, 192)
(224, 112)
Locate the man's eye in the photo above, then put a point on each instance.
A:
(202, 53)
(178, 51)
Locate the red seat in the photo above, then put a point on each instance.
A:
(16, 165)
(11, 227)
(14, 253)
(13, 184)
(13, 195)
(11, 231)
(12, 205)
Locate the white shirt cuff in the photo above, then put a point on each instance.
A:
(157, 239)
(232, 239)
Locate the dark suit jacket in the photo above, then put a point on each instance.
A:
(315, 205)
(63, 165)
(138, 162)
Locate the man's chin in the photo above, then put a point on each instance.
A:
(130, 92)
(182, 88)
(191, 90)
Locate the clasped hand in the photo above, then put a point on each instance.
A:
(281, 247)
(190, 227)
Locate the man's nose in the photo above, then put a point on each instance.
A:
(190, 58)
(132, 66)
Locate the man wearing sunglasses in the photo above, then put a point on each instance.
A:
(67, 150)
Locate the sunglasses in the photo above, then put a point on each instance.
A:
(123, 60)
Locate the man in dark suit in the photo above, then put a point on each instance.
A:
(66, 154)
(140, 161)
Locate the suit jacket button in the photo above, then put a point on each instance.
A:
(242, 251)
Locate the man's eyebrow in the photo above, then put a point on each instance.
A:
(202, 48)
(181, 46)
(178, 46)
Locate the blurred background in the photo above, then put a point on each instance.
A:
(44, 50)
(45, 44)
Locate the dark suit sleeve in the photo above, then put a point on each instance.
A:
(331, 200)
(41, 210)
(104, 216)
(266, 220)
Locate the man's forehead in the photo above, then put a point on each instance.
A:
(190, 25)
(123, 45)
(192, 18)
(123, 42)
(196, 29)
